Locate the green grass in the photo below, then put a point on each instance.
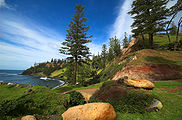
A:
(58, 73)
(39, 74)
(15, 102)
(160, 41)
(43, 101)
(171, 101)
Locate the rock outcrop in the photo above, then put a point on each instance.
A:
(155, 106)
(28, 117)
(91, 111)
(140, 84)
(131, 47)
(149, 72)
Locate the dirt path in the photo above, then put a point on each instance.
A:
(87, 93)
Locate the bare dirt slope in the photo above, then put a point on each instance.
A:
(87, 93)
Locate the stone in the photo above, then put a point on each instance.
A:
(28, 117)
(17, 85)
(90, 111)
(11, 84)
(146, 84)
(155, 106)
(29, 90)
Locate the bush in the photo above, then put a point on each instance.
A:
(123, 100)
(134, 102)
(74, 98)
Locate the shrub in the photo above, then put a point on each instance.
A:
(134, 102)
(74, 98)
(123, 99)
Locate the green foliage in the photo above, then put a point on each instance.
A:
(124, 102)
(149, 17)
(134, 102)
(125, 41)
(173, 29)
(76, 39)
(114, 48)
(68, 73)
(104, 55)
(114, 67)
(41, 101)
(45, 68)
(74, 98)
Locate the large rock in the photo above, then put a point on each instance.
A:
(131, 47)
(155, 106)
(146, 84)
(28, 117)
(91, 111)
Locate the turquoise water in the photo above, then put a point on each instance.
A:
(13, 76)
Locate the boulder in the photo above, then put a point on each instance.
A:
(155, 106)
(146, 84)
(28, 117)
(11, 84)
(90, 111)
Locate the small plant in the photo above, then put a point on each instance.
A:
(74, 98)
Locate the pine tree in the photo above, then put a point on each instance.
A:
(149, 17)
(125, 41)
(104, 54)
(114, 48)
(76, 38)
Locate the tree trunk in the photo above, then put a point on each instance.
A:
(75, 69)
(168, 27)
(143, 38)
(151, 40)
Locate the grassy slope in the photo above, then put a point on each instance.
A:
(148, 56)
(160, 41)
(57, 72)
(41, 102)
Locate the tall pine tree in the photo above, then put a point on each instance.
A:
(76, 39)
(104, 54)
(149, 17)
(114, 48)
(125, 41)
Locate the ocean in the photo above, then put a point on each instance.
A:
(14, 76)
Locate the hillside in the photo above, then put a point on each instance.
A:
(151, 64)
(136, 62)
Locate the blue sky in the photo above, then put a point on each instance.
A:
(32, 30)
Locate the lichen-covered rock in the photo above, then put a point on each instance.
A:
(146, 84)
(91, 111)
(155, 106)
(28, 117)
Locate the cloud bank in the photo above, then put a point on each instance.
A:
(123, 21)
(24, 42)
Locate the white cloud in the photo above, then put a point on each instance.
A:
(94, 48)
(123, 21)
(25, 43)
(3, 4)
